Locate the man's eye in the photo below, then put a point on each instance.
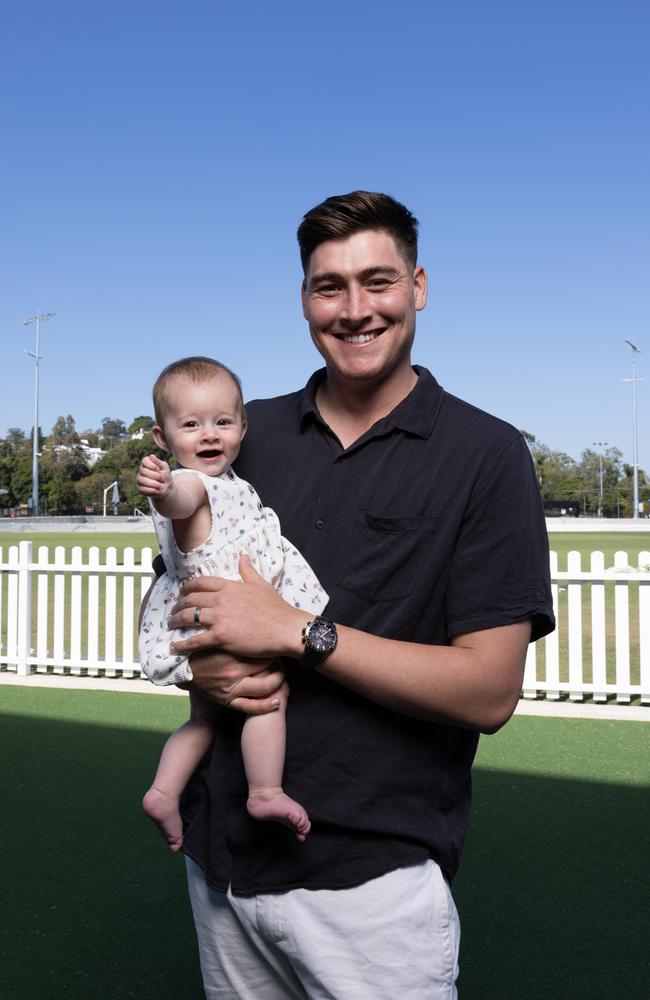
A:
(327, 289)
(379, 283)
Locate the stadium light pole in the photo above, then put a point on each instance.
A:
(37, 319)
(600, 444)
(635, 457)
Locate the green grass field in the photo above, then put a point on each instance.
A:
(552, 892)
(561, 542)
(585, 542)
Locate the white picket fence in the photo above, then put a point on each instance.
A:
(68, 615)
(71, 615)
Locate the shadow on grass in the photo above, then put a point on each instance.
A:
(96, 904)
(553, 890)
(552, 893)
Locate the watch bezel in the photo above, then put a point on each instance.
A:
(319, 637)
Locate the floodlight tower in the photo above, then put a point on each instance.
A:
(635, 457)
(38, 319)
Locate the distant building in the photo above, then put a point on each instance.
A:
(91, 456)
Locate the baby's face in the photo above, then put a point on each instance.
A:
(203, 425)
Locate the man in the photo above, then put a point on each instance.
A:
(421, 517)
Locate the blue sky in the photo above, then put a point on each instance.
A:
(157, 158)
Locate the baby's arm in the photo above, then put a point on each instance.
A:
(176, 497)
(182, 498)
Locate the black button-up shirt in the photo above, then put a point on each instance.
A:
(429, 526)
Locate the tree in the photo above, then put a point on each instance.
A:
(111, 431)
(141, 422)
(555, 472)
(16, 440)
(61, 493)
(63, 432)
(21, 477)
(610, 463)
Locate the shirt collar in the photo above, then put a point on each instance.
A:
(416, 414)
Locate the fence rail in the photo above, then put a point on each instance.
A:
(64, 614)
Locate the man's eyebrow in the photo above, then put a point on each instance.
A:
(369, 272)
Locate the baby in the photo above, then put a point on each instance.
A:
(205, 518)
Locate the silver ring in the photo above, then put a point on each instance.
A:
(197, 616)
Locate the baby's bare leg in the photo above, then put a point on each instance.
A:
(180, 757)
(263, 743)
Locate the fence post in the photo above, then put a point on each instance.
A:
(644, 629)
(24, 636)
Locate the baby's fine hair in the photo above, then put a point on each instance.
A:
(197, 369)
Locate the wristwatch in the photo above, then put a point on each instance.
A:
(319, 639)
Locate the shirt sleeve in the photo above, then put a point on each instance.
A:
(500, 568)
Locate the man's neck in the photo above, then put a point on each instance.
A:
(351, 409)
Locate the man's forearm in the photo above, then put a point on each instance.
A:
(475, 682)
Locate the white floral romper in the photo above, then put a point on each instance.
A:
(240, 524)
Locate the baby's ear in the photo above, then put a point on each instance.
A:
(244, 428)
(160, 438)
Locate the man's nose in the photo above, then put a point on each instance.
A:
(357, 309)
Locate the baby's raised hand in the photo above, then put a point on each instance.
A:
(154, 477)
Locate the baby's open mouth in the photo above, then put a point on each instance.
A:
(209, 453)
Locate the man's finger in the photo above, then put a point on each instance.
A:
(203, 583)
(247, 571)
(194, 643)
(255, 706)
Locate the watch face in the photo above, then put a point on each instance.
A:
(322, 636)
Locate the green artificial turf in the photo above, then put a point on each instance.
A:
(552, 892)
(608, 542)
(136, 540)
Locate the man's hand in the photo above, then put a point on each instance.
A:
(246, 618)
(251, 686)
(154, 477)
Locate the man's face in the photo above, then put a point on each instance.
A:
(360, 297)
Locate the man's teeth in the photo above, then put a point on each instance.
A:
(359, 338)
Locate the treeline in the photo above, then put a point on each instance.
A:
(599, 480)
(73, 472)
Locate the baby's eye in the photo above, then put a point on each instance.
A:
(224, 422)
(190, 423)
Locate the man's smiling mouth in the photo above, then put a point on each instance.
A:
(357, 338)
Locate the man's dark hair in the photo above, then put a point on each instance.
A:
(344, 214)
(196, 369)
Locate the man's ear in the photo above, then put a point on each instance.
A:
(160, 438)
(420, 288)
(303, 296)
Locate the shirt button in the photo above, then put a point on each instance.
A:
(319, 523)
(259, 505)
(231, 474)
(250, 488)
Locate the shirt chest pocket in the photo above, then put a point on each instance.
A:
(385, 556)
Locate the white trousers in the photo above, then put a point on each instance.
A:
(394, 937)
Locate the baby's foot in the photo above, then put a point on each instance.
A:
(273, 804)
(163, 810)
